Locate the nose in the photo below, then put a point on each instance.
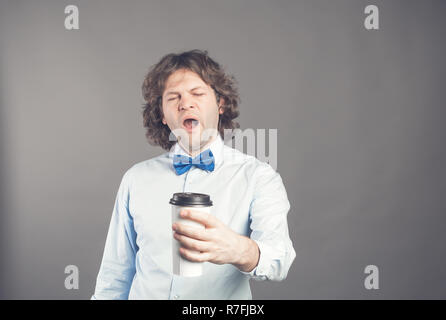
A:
(185, 103)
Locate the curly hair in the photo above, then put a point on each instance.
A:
(211, 73)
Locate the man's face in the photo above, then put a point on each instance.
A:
(190, 110)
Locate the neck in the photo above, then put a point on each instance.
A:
(193, 153)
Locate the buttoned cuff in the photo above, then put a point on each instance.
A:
(260, 272)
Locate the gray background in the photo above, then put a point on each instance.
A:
(360, 118)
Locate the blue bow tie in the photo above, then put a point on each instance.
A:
(204, 161)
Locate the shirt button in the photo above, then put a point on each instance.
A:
(176, 297)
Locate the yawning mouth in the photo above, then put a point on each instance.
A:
(190, 123)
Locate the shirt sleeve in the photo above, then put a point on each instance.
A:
(268, 222)
(118, 262)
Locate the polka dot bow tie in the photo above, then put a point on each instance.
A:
(204, 161)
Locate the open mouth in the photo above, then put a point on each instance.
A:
(190, 123)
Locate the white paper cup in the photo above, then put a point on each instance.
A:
(194, 201)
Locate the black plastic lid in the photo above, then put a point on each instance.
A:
(190, 199)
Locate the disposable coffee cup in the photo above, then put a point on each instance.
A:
(193, 201)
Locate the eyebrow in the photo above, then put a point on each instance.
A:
(176, 92)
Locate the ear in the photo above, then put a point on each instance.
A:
(220, 107)
(164, 121)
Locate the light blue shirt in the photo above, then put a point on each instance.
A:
(248, 196)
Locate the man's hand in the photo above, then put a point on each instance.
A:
(216, 243)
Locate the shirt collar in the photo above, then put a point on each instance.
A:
(216, 147)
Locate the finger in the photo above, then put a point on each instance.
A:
(191, 232)
(206, 219)
(191, 243)
(195, 255)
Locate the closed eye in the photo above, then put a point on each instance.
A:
(171, 99)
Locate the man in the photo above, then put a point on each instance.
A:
(190, 99)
